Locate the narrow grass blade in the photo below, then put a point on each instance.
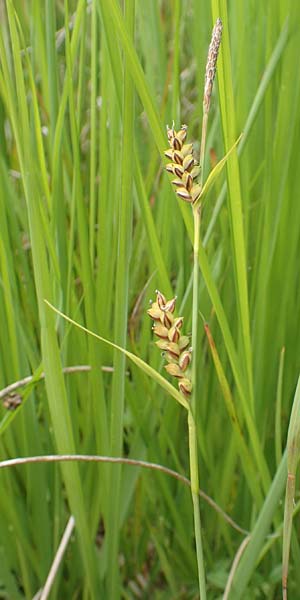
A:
(293, 455)
(226, 94)
(252, 116)
(124, 211)
(215, 173)
(261, 528)
(58, 404)
(172, 391)
(278, 413)
(246, 458)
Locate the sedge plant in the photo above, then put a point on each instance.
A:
(167, 328)
(181, 358)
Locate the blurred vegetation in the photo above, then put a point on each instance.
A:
(89, 221)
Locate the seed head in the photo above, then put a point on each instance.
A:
(168, 329)
(211, 63)
(183, 165)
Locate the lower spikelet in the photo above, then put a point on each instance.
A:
(175, 345)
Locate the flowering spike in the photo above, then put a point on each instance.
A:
(171, 341)
(211, 64)
(183, 165)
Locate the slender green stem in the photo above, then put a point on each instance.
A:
(197, 218)
(192, 412)
(93, 153)
(278, 424)
(191, 420)
(121, 311)
(196, 506)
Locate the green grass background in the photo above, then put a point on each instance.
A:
(89, 221)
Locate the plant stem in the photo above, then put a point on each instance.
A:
(192, 411)
(197, 218)
(196, 505)
(194, 469)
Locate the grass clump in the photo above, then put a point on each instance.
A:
(89, 225)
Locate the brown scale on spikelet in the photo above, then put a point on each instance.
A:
(175, 345)
(183, 165)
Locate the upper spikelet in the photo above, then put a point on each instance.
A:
(211, 63)
(183, 165)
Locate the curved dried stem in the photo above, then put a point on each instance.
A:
(57, 559)
(234, 566)
(14, 462)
